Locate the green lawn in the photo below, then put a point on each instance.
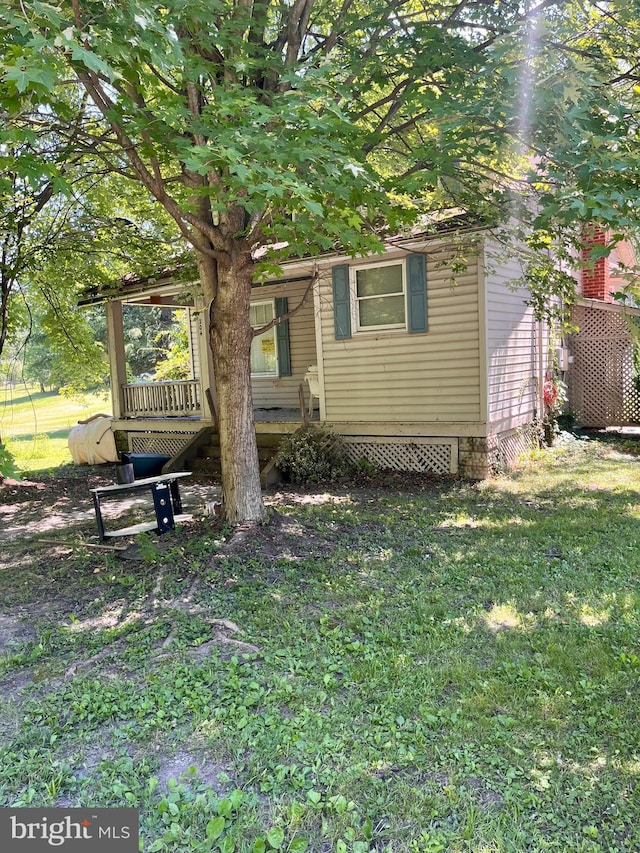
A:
(453, 669)
(35, 426)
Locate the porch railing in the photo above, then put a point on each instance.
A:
(162, 399)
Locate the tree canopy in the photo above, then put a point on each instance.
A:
(338, 113)
(60, 233)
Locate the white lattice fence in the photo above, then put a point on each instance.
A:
(420, 455)
(169, 443)
(601, 388)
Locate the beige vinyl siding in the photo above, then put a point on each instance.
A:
(394, 376)
(513, 347)
(282, 391)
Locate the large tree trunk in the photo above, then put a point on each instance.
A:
(230, 336)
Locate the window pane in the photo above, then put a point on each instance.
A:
(382, 311)
(261, 314)
(263, 348)
(263, 353)
(379, 280)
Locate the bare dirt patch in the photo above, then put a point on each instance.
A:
(13, 628)
(62, 503)
(278, 538)
(186, 766)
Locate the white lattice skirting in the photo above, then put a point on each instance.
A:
(168, 443)
(511, 446)
(437, 455)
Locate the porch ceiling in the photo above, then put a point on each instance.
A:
(169, 287)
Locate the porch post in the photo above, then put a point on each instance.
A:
(117, 362)
(206, 367)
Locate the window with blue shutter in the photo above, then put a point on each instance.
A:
(389, 295)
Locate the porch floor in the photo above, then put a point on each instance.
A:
(260, 415)
(282, 416)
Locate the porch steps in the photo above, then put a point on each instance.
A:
(207, 461)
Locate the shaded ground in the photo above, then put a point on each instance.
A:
(50, 522)
(61, 507)
(62, 503)
(48, 538)
(400, 666)
(49, 544)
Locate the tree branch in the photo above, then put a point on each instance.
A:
(278, 320)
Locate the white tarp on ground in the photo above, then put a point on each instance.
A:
(92, 442)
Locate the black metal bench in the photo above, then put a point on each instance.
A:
(167, 504)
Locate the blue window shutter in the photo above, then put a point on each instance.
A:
(282, 337)
(417, 293)
(341, 302)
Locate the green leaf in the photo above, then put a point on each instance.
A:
(224, 808)
(298, 845)
(25, 77)
(259, 846)
(314, 207)
(275, 837)
(215, 828)
(227, 844)
(367, 829)
(91, 61)
(235, 798)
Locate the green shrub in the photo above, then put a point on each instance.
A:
(7, 462)
(312, 455)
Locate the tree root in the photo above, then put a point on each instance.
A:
(152, 608)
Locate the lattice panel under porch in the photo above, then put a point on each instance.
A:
(513, 445)
(169, 443)
(420, 456)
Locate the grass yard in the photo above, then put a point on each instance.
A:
(454, 668)
(35, 425)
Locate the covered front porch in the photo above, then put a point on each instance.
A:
(157, 415)
(183, 399)
(169, 418)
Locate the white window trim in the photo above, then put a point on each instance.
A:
(275, 375)
(353, 287)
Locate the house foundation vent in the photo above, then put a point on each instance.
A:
(421, 455)
(510, 447)
(168, 443)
